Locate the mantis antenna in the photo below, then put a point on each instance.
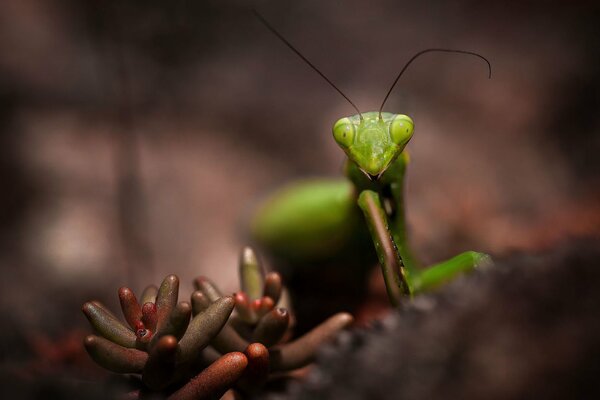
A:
(420, 53)
(288, 44)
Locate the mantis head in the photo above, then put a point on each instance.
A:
(373, 141)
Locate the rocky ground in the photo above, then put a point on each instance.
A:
(527, 328)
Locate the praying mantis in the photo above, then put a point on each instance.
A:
(321, 217)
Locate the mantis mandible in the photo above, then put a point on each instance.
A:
(319, 217)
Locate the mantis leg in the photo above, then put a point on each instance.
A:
(440, 273)
(422, 280)
(394, 273)
(398, 223)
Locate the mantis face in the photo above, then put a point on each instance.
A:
(373, 143)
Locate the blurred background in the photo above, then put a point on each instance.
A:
(136, 137)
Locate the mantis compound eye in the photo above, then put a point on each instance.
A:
(401, 129)
(343, 132)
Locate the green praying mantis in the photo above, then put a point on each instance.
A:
(320, 217)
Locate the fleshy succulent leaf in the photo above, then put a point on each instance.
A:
(104, 308)
(199, 302)
(251, 274)
(166, 299)
(215, 380)
(108, 326)
(159, 370)
(207, 287)
(273, 286)
(272, 327)
(243, 308)
(114, 357)
(257, 372)
(149, 316)
(301, 352)
(204, 327)
(149, 294)
(130, 306)
(177, 322)
(265, 305)
(228, 340)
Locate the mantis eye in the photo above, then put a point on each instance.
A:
(343, 132)
(401, 129)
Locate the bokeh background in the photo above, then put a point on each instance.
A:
(136, 137)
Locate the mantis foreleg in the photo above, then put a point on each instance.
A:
(419, 279)
(394, 273)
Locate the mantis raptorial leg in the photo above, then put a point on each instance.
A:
(392, 267)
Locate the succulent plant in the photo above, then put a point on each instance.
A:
(162, 344)
(263, 315)
(167, 341)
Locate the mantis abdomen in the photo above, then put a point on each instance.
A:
(310, 220)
